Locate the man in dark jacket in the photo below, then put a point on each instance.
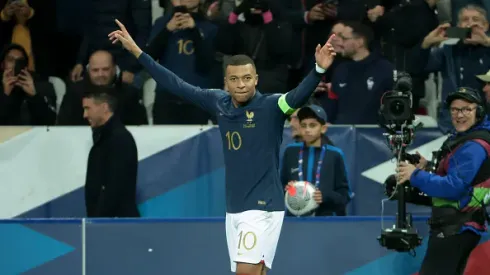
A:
(112, 168)
(25, 99)
(359, 83)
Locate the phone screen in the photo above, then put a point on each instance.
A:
(461, 33)
(20, 64)
(181, 9)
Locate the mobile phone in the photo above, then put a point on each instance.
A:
(181, 9)
(456, 32)
(20, 64)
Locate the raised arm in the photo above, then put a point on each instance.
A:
(299, 96)
(204, 98)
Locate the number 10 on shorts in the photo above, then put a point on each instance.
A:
(247, 240)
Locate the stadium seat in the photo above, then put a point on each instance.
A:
(60, 90)
(149, 98)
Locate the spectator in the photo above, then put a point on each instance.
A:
(136, 14)
(401, 25)
(452, 8)
(102, 71)
(183, 42)
(458, 63)
(27, 26)
(24, 98)
(218, 11)
(358, 84)
(321, 92)
(262, 38)
(312, 21)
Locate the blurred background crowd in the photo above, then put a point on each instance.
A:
(55, 50)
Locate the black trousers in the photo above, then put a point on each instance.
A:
(448, 256)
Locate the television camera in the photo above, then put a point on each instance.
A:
(396, 116)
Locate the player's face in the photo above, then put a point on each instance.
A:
(94, 111)
(463, 115)
(312, 130)
(240, 82)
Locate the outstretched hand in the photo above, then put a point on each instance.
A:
(325, 55)
(126, 40)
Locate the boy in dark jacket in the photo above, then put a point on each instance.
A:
(318, 163)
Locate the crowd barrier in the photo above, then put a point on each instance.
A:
(333, 246)
(181, 170)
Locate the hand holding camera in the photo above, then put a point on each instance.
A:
(26, 82)
(181, 20)
(17, 7)
(8, 81)
(18, 76)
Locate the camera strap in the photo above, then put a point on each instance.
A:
(450, 220)
(318, 166)
(450, 144)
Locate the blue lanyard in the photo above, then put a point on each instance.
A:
(318, 167)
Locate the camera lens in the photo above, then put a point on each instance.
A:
(397, 108)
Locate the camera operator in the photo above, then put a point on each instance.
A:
(459, 188)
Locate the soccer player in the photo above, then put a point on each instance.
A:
(251, 126)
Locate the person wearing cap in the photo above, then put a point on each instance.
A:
(296, 129)
(315, 161)
(459, 188)
(486, 89)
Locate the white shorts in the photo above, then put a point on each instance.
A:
(252, 236)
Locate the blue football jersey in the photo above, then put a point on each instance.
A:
(251, 135)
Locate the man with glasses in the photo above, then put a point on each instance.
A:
(460, 187)
(358, 83)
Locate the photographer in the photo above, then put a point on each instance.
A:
(25, 98)
(458, 63)
(459, 187)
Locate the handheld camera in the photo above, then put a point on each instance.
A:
(397, 118)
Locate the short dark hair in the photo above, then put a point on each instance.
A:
(102, 94)
(361, 30)
(11, 47)
(237, 60)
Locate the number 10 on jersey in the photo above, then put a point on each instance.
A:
(234, 140)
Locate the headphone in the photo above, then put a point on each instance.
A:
(471, 95)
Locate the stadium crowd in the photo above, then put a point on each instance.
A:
(44, 41)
